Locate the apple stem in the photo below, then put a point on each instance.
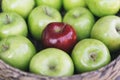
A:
(59, 30)
(63, 27)
(76, 15)
(8, 20)
(93, 56)
(52, 67)
(46, 11)
(4, 48)
(118, 29)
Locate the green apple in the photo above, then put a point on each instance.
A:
(103, 7)
(70, 4)
(17, 51)
(82, 21)
(57, 4)
(12, 24)
(107, 30)
(40, 17)
(21, 7)
(89, 55)
(52, 62)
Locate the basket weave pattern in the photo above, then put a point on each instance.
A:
(109, 72)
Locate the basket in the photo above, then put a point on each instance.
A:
(108, 72)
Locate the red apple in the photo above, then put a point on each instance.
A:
(59, 35)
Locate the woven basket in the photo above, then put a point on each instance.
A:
(109, 72)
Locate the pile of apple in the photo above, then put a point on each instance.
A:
(59, 37)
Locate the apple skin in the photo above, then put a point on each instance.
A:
(23, 8)
(89, 55)
(59, 35)
(52, 62)
(17, 51)
(82, 20)
(107, 30)
(57, 4)
(70, 4)
(12, 24)
(103, 7)
(40, 17)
